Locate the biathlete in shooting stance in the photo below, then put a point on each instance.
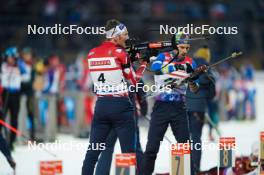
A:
(169, 107)
(109, 66)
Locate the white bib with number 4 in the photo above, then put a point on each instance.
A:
(107, 76)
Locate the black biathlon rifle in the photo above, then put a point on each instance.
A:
(197, 72)
(204, 68)
(153, 48)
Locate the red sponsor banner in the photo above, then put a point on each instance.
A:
(227, 142)
(262, 136)
(51, 167)
(180, 149)
(125, 160)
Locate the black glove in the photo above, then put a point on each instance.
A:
(179, 67)
(189, 68)
(198, 71)
(132, 55)
(145, 56)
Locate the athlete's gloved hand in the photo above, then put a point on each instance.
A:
(179, 67)
(132, 55)
(145, 56)
(194, 87)
(189, 68)
(198, 71)
(186, 67)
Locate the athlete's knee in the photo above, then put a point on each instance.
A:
(152, 148)
(91, 157)
(184, 138)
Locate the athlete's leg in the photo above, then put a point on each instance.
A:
(29, 104)
(3, 147)
(180, 122)
(125, 128)
(139, 151)
(157, 129)
(5, 150)
(196, 126)
(99, 132)
(14, 110)
(103, 166)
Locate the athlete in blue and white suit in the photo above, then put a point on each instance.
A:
(169, 107)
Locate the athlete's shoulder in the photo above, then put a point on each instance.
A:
(119, 51)
(91, 53)
(188, 59)
(166, 54)
(97, 50)
(121, 54)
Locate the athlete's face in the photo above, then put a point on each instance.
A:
(11, 60)
(27, 57)
(121, 39)
(183, 49)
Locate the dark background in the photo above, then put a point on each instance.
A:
(139, 16)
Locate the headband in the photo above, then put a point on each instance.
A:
(182, 38)
(114, 32)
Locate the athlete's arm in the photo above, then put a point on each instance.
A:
(157, 65)
(128, 71)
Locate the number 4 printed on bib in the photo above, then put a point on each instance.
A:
(101, 78)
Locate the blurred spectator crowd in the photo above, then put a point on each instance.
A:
(46, 96)
(47, 93)
(236, 93)
(140, 16)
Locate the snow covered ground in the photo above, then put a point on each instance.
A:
(246, 134)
